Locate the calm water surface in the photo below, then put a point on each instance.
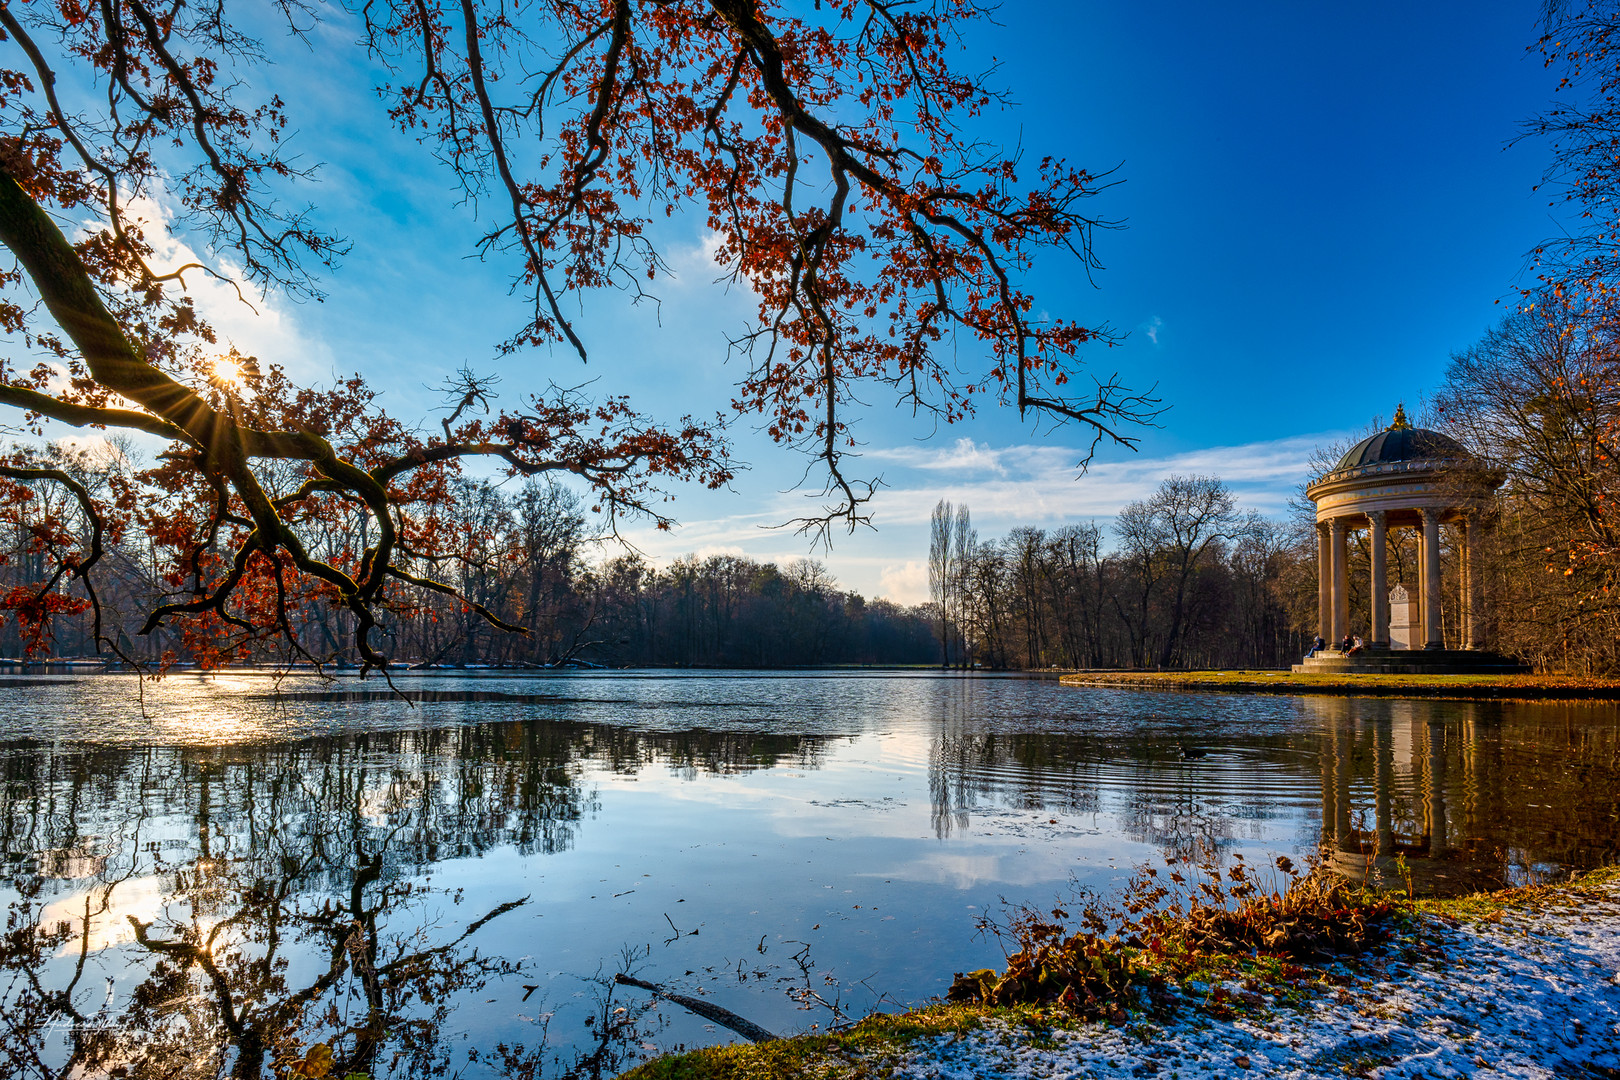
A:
(188, 871)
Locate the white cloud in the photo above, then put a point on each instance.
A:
(94, 446)
(1006, 486)
(1150, 329)
(964, 455)
(709, 551)
(699, 264)
(267, 329)
(904, 584)
(1041, 484)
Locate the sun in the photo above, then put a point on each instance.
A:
(228, 373)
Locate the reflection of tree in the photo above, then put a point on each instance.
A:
(1182, 820)
(183, 911)
(283, 920)
(699, 751)
(973, 763)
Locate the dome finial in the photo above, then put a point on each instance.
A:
(1400, 418)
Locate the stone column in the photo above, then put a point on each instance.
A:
(1379, 630)
(1464, 569)
(1341, 581)
(1432, 637)
(1476, 584)
(1324, 584)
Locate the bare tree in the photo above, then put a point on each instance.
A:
(1164, 539)
(941, 578)
(965, 545)
(1540, 394)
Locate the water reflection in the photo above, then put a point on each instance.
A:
(415, 885)
(1151, 792)
(1451, 796)
(258, 902)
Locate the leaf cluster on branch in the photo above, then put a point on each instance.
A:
(827, 147)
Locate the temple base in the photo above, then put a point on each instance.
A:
(1412, 662)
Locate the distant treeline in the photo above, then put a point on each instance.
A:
(1181, 579)
(527, 557)
(1188, 581)
(730, 611)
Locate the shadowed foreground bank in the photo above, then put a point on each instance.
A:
(1521, 983)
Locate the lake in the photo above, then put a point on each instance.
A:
(450, 873)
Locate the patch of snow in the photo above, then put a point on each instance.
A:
(1534, 995)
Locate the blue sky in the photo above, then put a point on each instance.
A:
(1320, 206)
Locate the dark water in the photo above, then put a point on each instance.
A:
(189, 879)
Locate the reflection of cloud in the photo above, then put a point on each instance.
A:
(109, 907)
(969, 870)
(907, 584)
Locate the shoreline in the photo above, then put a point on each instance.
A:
(1467, 687)
(1520, 983)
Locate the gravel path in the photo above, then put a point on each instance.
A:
(1536, 994)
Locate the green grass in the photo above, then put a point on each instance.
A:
(1287, 682)
(1490, 906)
(864, 1051)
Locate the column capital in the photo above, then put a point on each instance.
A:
(1377, 517)
(1338, 525)
(1429, 513)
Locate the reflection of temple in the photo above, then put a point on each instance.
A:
(1438, 795)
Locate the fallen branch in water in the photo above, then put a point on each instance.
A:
(724, 1017)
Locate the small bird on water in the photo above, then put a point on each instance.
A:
(1190, 753)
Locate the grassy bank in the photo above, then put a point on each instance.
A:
(1532, 687)
(1198, 987)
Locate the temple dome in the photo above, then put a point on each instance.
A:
(1402, 442)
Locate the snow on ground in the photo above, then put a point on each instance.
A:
(1534, 995)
